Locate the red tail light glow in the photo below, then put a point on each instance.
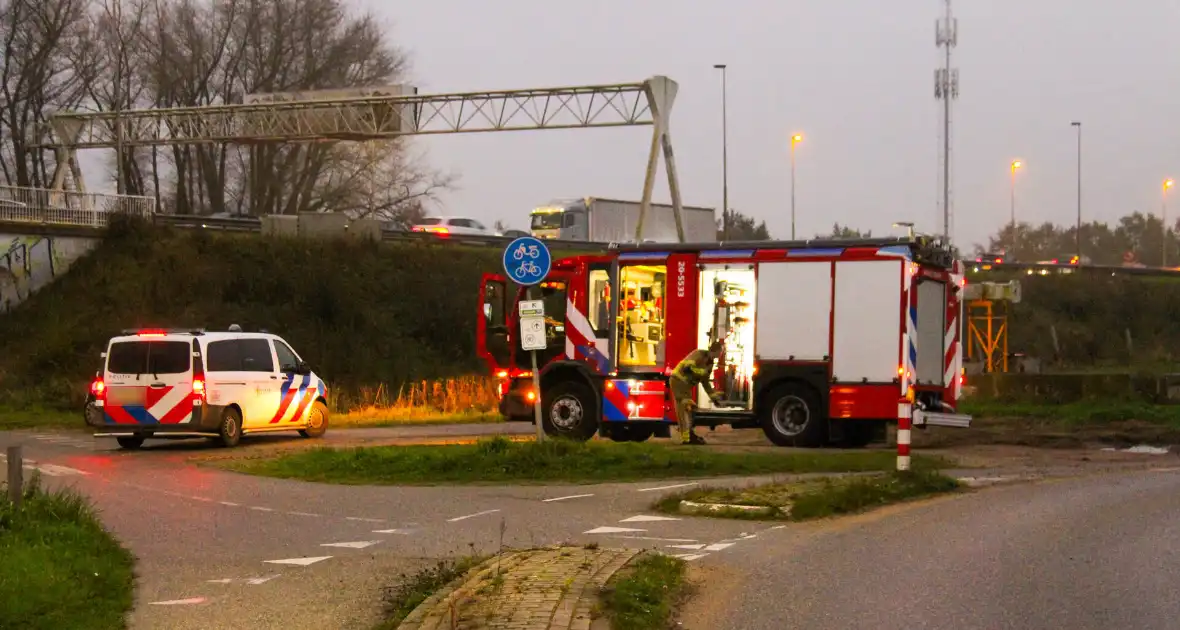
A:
(98, 388)
(199, 387)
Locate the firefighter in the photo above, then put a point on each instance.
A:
(695, 369)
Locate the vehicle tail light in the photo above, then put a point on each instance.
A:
(199, 387)
(531, 396)
(98, 388)
(151, 332)
(962, 378)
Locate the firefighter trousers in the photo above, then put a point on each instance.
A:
(682, 398)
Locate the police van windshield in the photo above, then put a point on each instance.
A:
(149, 357)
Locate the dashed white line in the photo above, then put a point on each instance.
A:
(463, 518)
(681, 540)
(301, 562)
(366, 520)
(1171, 469)
(689, 557)
(612, 530)
(572, 496)
(357, 544)
(303, 514)
(679, 485)
(230, 503)
(719, 546)
(259, 508)
(697, 547)
(643, 518)
(176, 602)
(393, 531)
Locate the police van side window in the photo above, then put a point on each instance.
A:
(222, 356)
(256, 355)
(287, 358)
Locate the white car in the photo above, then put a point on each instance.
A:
(191, 383)
(446, 226)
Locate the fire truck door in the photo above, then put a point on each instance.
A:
(727, 314)
(492, 332)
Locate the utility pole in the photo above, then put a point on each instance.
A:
(724, 155)
(946, 89)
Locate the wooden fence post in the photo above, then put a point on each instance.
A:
(15, 471)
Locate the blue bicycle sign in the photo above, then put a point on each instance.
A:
(527, 261)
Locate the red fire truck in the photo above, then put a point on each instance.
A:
(822, 340)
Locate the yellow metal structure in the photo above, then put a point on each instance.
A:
(987, 334)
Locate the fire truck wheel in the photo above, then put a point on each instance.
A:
(792, 417)
(569, 411)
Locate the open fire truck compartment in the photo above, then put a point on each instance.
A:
(823, 340)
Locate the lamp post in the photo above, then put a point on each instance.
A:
(1015, 166)
(724, 154)
(795, 139)
(1078, 126)
(1168, 183)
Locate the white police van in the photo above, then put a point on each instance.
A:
(174, 383)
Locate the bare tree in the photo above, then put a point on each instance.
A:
(36, 77)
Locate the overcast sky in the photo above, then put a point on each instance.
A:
(855, 76)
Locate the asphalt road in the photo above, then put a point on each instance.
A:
(1100, 552)
(222, 550)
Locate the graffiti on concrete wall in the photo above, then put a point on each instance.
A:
(28, 263)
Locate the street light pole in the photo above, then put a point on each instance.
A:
(795, 139)
(1168, 183)
(1078, 125)
(724, 154)
(1016, 164)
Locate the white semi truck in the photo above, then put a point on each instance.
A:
(598, 220)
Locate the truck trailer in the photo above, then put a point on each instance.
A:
(598, 220)
(824, 342)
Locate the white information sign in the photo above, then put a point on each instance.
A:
(532, 324)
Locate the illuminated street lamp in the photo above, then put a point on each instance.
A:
(795, 139)
(1016, 165)
(1168, 184)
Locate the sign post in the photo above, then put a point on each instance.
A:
(527, 261)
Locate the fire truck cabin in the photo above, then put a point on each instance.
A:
(821, 339)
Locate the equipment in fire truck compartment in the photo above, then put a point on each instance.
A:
(641, 316)
(727, 315)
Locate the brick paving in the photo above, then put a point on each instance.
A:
(546, 589)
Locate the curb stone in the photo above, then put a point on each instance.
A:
(692, 507)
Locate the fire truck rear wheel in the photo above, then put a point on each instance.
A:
(792, 416)
(630, 433)
(569, 411)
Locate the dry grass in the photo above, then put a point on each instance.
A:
(464, 399)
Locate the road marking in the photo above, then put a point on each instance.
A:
(779, 527)
(361, 518)
(254, 581)
(53, 470)
(261, 509)
(1172, 469)
(174, 602)
(393, 531)
(689, 557)
(463, 518)
(303, 514)
(359, 544)
(572, 496)
(230, 503)
(613, 530)
(221, 581)
(260, 580)
(642, 518)
(719, 546)
(692, 547)
(682, 540)
(302, 562)
(679, 485)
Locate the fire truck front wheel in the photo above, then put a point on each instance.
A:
(791, 416)
(569, 411)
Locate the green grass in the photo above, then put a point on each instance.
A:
(402, 598)
(1079, 413)
(39, 418)
(820, 498)
(499, 459)
(58, 567)
(354, 420)
(645, 594)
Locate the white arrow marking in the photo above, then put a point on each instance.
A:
(572, 496)
(718, 546)
(359, 544)
(692, 547)
(642, 518)
(679, 540)
(302, 562)
(261, 580)
(613, 530)
(689, 557)
(174, 602)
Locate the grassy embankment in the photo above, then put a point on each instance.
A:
(499, 460)
(59, 567)
(391, 327)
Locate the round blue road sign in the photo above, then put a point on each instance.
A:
(527, 260)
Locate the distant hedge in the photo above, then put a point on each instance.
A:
(361, 313)
(1057, 389)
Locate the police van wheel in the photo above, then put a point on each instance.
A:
(130, 442)
(230, 432)
(317, 422)
(569, 411)
(791, 416)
